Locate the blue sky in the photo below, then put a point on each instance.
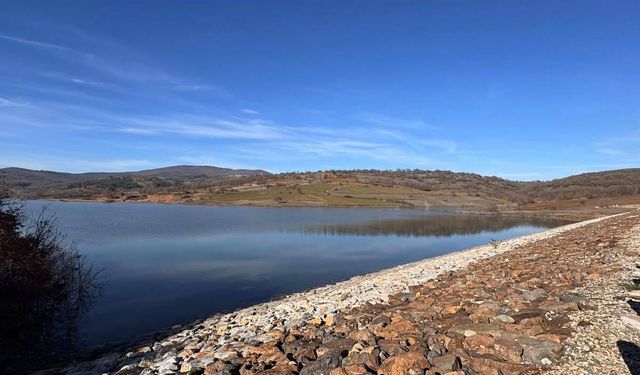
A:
(519, 89)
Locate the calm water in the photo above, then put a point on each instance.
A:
(172, 264)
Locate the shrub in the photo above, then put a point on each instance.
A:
(45, 287)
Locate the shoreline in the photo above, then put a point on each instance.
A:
(561, 214)
(257, 322)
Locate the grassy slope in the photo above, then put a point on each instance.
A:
(401, 188)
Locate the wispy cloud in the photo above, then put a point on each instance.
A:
(13, 103)
(203, 127)
(417, 142)
(621, 147)
(126, 67)
(335, 147)
(273, 140)
(76, 106)
(610, 152)
(391, 122)
(33, 43)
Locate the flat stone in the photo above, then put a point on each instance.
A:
(572, 297)
(502, 319)
(535, 350)
(478, 328)
(447, 362)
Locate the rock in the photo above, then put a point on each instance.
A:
(381, 319)
(469, 333)
(397, 327)
(391, 347)
(502, 319)
(404, 364)
(318, 368)
(572, 297)
(478, 328)
(128, 370)
(487, 366)
(329, 320)
(532, 295)
(447, 362)
(350, 370)
(167, 365)
(480, 344)
(632, 321)
(361, 335)
(535, 351)
(185, 367)
(226, 355)
(220, 368)
(508, 350)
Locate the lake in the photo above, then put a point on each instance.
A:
(172, 264)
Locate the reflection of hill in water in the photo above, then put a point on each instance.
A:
(438, 225)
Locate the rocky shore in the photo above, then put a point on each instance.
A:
(549, 302)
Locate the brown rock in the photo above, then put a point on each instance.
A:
(280, 369)
(447, 362)
(220, 368)
(330, 320)
(355, 370)
(391, 347)
(480, 344)
(509, 350)
(404, 364)
(487, 366)
(315, 321)
(361, 335)
(397, 327)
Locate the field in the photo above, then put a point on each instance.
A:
(329, 193)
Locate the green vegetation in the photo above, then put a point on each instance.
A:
(398, 188)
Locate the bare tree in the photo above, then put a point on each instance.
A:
(45, 286)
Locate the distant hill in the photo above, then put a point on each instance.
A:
(605, 184)
(182, 171)
(27, 183)
(389, 188)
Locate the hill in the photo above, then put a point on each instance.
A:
(371, 188)
(32, 184)
(195, 171)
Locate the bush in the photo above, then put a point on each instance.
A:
(45, 287)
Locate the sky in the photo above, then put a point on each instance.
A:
(523, 90)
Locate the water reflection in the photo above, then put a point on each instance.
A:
(434, 226)
(171, 264)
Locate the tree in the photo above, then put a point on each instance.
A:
(45, 287)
